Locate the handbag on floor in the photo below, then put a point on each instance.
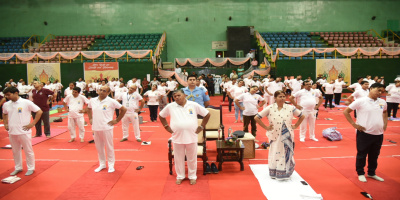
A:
(332, 134)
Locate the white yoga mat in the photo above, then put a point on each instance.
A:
(291, 189)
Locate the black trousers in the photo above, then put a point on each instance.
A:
(211, 90)
(328, 97)
(368, 145)
(46, 121)
(246, 121)
(394, 107)
(117, 112)
(230, 103)
(153, 112)
(170, 98)
(58, 96)
(223, 96)
(338, 97)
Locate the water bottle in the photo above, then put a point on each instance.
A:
(219, 132)
(230, 132)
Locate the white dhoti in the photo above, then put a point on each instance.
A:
(76, 122)
(179, 157)
(134, 119)
(24, 141)
(309, 118)
(104, 139)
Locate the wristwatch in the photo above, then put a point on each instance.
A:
(201, 127)
(166, 125)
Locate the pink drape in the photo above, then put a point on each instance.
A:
(115, 54)
(167, 74)
(91, 54)
(391, 50)
(47, 55)
(213, 61)
(6, 56)
(69, 55)
(138, 53)
(25, 56)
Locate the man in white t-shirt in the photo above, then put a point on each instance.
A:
(229, 86)
(371, 123)
(355, 86)
(327, 89)
(184, 128)
(295, 84)
(73, 104)
(130, 100)
(134, 81)
(17, 121)
(101, 112)
(370, 81)
(308, 105)
(363, 92)
(250, 108)
(339, 85)
(154, 82)
(118, 90)
(248, 81)
(171, 86)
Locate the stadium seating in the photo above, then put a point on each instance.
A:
(12, 44)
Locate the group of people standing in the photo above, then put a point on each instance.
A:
(186, 105)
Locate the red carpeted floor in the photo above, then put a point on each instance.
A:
(65, 170)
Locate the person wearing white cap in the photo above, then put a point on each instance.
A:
(17, 121)
(101, 111)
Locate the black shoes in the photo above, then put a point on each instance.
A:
(208, 168)
(214, 168)
(211, 169)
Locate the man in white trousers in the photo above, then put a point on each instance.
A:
(308, 105)
(184, 129)
(130, 100)
(101, 111)
(73, 104)
(17, 121)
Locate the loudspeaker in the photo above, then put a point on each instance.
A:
(238, 39)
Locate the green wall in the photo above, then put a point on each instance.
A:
(389, 68)
(71, 72)
(208, 19)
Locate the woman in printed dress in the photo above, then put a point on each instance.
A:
(281, 135)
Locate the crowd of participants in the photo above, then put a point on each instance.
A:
(100, 99)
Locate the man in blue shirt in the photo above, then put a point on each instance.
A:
(196, 94)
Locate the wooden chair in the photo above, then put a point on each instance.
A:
(214, 124)
(201, 151)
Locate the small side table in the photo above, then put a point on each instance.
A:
(227, 153)
(248, 141)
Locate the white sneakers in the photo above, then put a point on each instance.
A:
(111, 169)
(99, 168)
(303, 140)
(376, 178)
(363, 179)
